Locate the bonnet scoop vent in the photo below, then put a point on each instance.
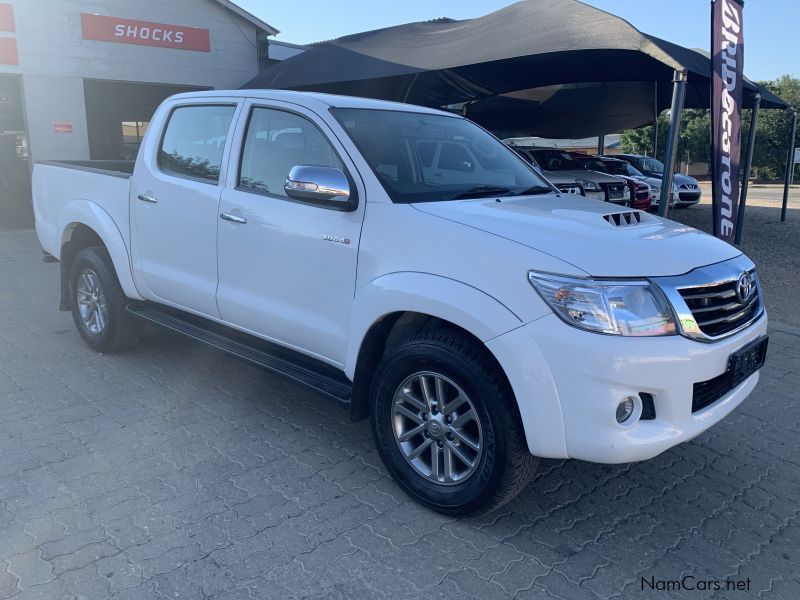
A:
(623, 219)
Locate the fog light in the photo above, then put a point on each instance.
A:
(625, 409)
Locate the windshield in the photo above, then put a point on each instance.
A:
(620, 167)
(595, 164)
(651, 165)
(556, 160)
(427, 158)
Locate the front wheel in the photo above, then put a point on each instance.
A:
(446, 424)
(98, 303)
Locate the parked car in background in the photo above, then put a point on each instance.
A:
(563, 170)
(641, 195)
(621, 168)
(478, 319)
(687, 188)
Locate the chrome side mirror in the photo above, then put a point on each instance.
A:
(317, 184)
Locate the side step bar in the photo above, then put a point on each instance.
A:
(298, 367)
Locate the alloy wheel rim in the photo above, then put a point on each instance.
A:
(437, 428)
(92, 302)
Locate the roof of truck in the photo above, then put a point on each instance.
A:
(310, 99)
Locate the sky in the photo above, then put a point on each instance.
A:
(770, 25)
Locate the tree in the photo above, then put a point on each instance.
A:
(769, 154)
(694, 140)
(772, 135)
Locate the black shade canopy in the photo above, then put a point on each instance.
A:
(556, 68)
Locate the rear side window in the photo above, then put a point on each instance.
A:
(277, 141)
(194, 141)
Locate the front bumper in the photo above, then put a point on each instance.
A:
(569, 382)
(688, 197)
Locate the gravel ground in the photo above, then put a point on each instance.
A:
(773, 246)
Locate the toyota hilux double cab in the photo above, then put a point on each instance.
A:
(478, 318)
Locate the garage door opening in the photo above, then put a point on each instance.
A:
(118, 113)
(15, 190)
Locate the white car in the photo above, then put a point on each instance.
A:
(686, 190)
(405, 262)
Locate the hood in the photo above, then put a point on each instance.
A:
(570, 176)
(574, 230)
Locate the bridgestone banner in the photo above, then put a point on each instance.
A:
(727, 55)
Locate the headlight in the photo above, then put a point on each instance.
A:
(626, 193)
(655, 191)
(630, 308)
(589, 186)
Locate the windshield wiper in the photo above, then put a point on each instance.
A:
(479, 191)
(535, 190)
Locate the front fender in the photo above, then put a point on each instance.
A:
(461, 304)
(92, 215)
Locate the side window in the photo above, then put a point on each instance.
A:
(277, 141)
(194, 141)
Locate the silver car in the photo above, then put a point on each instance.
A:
(561, 168)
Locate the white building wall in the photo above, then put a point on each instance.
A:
(50, 99)
(54, 58)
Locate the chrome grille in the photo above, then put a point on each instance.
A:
(705, 300)
(718, 309)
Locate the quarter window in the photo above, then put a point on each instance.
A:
(277, 141)
(194, 141)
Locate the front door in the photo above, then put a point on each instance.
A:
(175, 207)
(287, 268)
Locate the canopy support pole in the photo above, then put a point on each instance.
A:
(787, 179)
(601, 145)
(655, 121)
(748, 162)
(678, 95)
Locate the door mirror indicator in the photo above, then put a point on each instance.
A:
(317, 184)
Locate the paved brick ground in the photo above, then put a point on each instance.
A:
(176, 472)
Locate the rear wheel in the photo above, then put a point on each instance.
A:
(446, 424)
(98, 303)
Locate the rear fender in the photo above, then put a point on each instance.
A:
(90, 214)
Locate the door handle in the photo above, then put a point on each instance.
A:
(233, 218)
(146, 198)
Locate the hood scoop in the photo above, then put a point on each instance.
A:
(623, 219)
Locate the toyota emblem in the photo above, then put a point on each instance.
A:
(744, 287)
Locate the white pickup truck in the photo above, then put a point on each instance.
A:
(476, 316)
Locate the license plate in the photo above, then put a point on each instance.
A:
(747, 361)
(614, 194)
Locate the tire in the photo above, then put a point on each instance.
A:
(503, 465)
(119, 330)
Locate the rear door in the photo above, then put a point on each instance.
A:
(287, 268)
(175, 203)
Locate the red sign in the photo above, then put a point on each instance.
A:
(7, 17)
(145, 33)
(8, 51)
(62, 127)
